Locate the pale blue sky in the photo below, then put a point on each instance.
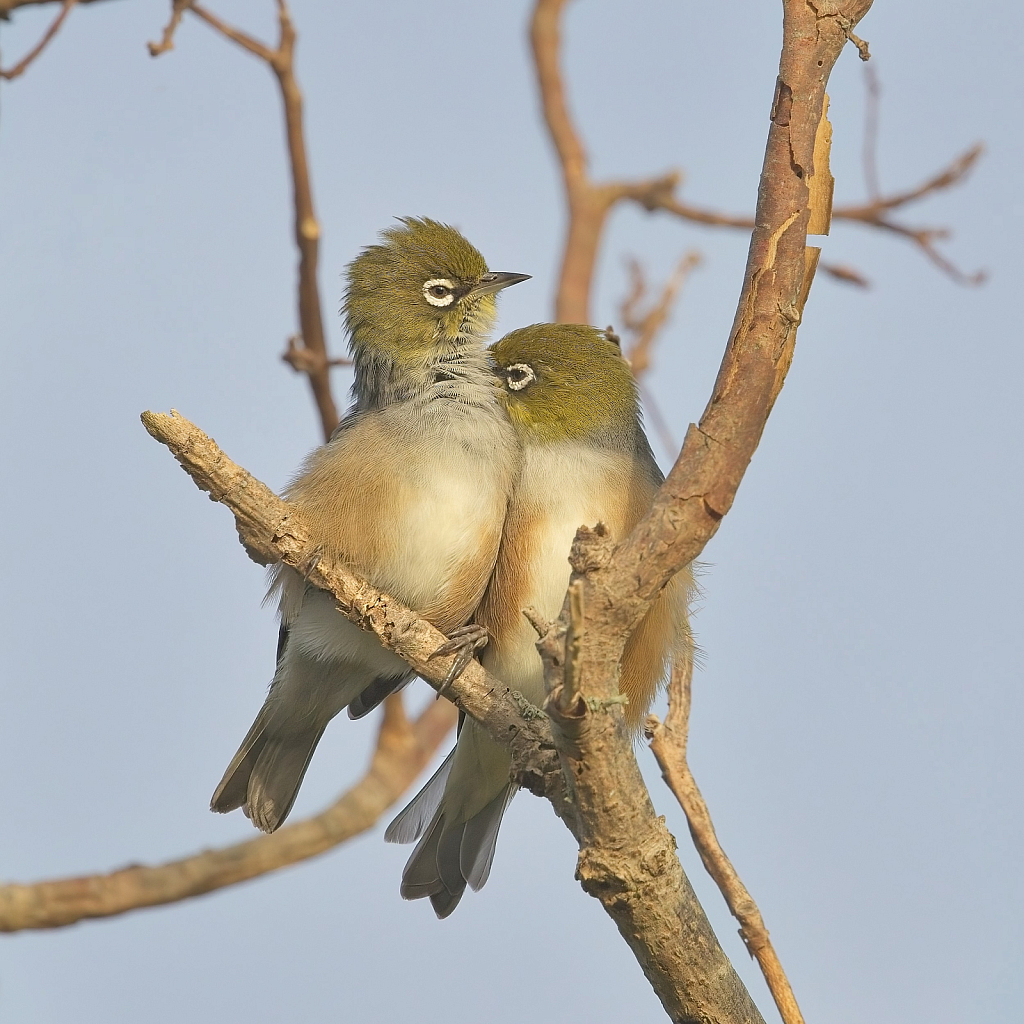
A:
(857, 724)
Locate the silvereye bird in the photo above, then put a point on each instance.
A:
(411, 492)
(573, 401)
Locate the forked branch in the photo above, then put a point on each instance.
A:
(589, 203)
(620, 581)
(22, 66)
(677, 951)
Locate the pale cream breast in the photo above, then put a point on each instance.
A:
(416, 504)
(561, 488)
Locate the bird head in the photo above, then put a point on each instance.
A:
(423, 292)
(568, 382)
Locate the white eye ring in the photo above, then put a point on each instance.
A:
(439, 283)
(528, 376)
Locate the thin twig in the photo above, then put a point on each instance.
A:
(668, 744)
(403, 750)
(22, 65)
(303, 360)
(178, 8)
(589, 203)
(645, 326)
(309, 354)
(872, 96)
(844, 272)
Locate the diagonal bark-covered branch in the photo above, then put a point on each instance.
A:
(668, 931)
(271, 531)
(650, 896)
(702, 484)
(403, 750)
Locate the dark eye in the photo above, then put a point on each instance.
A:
(518, 375)
(439, 291)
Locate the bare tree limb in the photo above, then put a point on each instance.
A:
(645, 326)
(589, 203)
(22, 65)
(844, 272)
(403, 750)
(668, 744)
(620, 581)
(667, 929)
(702, 484)
(310, 355)
(271, 531)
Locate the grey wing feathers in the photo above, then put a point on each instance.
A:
(234, 784)
(265, 775)
(376, 693)
(447, 859)
(277, 776)
(412, 820)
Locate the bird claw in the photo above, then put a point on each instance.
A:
(463, 642)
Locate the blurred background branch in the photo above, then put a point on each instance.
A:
(307, 352)
(403, 750)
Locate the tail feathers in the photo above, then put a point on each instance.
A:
(446, 859)
(480, 839)
(234, 785)
(412, 820)
(264, 776)
(381, 688)
(277, 775)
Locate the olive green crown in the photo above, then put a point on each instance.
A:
(384, 304)
(569, 381)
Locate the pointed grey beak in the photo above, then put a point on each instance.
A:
(495, 282)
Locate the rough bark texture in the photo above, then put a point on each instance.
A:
(703, 482)
(627, 857)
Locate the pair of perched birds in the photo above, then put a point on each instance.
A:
(456, 483)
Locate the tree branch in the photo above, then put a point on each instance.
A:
(310, 356)
(22, 65)
(272, 531)
(702, 484)
(589, 203)
(668, 744)
(178, 9)
(652, 896)
(645, 326)
(403, 750)
(641, 881)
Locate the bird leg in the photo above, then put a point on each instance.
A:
(463, 642)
